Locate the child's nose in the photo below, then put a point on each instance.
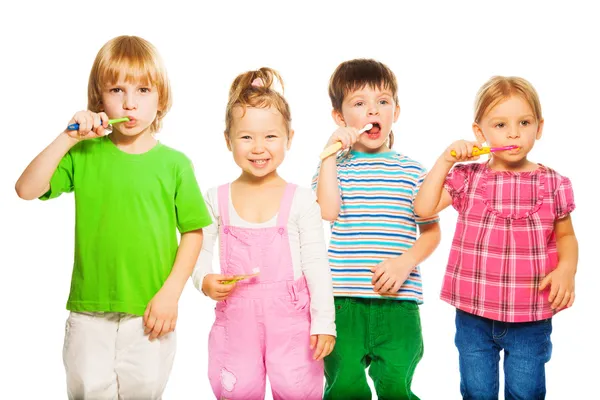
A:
(129, 102)
(373, 110)
(258, 147)
(514, 133)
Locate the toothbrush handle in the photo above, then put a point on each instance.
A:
(476, 151)
(329, 150)
(334, 148)
(75, 126)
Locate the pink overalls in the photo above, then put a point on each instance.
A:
(263, 327)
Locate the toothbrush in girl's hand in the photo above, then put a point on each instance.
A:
(74, 127)
(485, 150)
(237, 278)
(337, 146)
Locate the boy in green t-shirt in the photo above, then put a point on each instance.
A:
(131, 196)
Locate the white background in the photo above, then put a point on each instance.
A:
(441, 53)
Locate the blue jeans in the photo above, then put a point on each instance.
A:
(527, 348)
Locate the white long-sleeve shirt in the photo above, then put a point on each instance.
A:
(307, 245)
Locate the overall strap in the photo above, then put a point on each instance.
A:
(223, 197)
(286, 205)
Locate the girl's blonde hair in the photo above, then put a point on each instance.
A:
(500, 88)
(139, 61)
(256, 89)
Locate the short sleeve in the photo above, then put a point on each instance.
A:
(419, 220)
(192, 213)
(62, 179)
(315, 179)
(564, 199)
(456, 183)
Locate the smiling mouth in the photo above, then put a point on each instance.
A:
(259, 162)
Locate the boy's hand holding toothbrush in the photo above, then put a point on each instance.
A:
(88, 124)
(342, 139)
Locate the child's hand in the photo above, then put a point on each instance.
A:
(160, 316)
(389, 275)
(213, 287)
(91, 125)
(463, 149)
(562, 287)
(347, 136)
(323, 344)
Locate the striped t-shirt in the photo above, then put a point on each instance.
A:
(376, 221)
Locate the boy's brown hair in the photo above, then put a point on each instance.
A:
(354, 75)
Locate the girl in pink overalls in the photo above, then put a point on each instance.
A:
(280, 320)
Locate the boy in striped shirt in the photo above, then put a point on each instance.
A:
(367, 192)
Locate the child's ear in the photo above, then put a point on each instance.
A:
(338, 118)
(538, 136)
(289, 139)
(478, 133)
(396, 113)
(227, 140)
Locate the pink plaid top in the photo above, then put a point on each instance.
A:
(504, 244)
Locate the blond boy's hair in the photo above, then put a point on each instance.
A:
(139, 61)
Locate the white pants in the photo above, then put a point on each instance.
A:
(107, 356)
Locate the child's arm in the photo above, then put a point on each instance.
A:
(192, 214)
(203, 277)
(160, 316)
(432, 197)
(390, 274)
(35, 180)
(315, 268)
(562, 279)
(328, 191)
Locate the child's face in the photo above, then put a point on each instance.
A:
(369, 106)
(135, 100)
(511, 122)
(258, 140)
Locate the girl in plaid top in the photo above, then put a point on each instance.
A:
(514, 255)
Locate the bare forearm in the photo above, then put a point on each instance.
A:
(425, 245)
(427, 202)
(35, 180)
(568, 251)
(328, 192)
(187, 254)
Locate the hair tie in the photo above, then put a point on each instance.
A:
(258, 82)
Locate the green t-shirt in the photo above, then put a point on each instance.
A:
(127, 210)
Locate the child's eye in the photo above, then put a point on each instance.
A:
(500, 125)
(525, 123)
(145, 90)
(246, 137)
(271, 136)
(383, 102)
(358, 104)
(115, 90)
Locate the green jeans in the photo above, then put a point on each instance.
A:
(384, 335)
